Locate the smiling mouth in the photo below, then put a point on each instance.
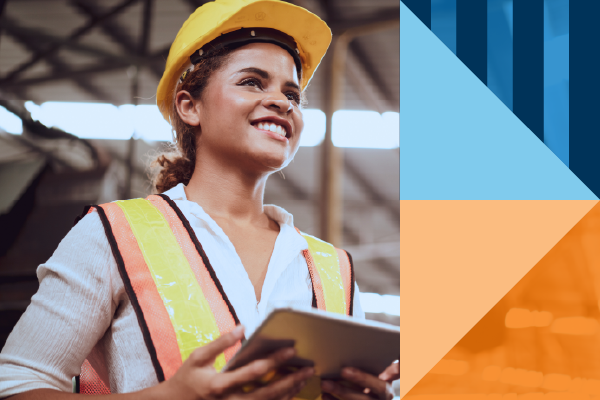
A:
(273, 127)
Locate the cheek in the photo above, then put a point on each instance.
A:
(298, 123)
(227, 109)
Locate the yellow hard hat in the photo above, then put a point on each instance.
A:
(311, 34)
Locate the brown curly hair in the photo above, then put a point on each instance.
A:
(176, 164)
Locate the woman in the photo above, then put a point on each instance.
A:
(151, 291)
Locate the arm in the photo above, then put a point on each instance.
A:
(198, 380)
(67, 316)
(71, 312)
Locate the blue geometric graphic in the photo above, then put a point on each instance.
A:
(458, 141)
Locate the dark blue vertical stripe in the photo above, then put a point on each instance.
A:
(528, 64)
(421, 8)
(443, 22)
(471, 35)
(584, 89)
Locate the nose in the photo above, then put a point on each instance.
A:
(278, 103)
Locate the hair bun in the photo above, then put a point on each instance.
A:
(175, 169)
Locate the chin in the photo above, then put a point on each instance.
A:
(272, 161)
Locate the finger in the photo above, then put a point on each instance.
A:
(342, 392)
(289, 385)
(365, 380)
(391, 373)
(207, 354)
(291, 396)
(254, 370)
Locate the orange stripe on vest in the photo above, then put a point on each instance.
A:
(218, 306)
(154, 312)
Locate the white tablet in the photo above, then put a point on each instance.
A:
(326, 340)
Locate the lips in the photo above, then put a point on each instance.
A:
(278, 126)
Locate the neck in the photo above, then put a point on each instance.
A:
(224, 190)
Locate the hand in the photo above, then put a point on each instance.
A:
(369, 386)
(198, 380)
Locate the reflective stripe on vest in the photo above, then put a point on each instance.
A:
(178, 299)
(331, 274)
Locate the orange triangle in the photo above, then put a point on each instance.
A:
(458, 258)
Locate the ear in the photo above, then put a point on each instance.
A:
(187, 108)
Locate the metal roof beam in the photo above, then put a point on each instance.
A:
(382, 16)
(339, 26)
(73, 37)
(109, 62)
(59, 66)
(103, 66)
(330, 15)
(110, 28)
(116, 32)
(41, 36)
(146, 28)
(196, 3)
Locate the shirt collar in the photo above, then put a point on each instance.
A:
(278, 214)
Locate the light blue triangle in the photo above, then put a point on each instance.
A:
(458, 141)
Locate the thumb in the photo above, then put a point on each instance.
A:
(207, 354)
(391, 373)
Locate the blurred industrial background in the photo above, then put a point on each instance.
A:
(67, 66)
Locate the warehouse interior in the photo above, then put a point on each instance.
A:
(112, 52)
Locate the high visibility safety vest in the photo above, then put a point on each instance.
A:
(178, 299)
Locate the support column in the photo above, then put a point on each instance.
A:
(332, 165)
(331, 156)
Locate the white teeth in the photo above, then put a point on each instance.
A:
(280, 130)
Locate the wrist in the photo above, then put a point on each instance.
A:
(164, 390)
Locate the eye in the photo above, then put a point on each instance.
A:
(251, 82)
(295, 97)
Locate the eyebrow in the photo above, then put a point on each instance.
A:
(265, 75)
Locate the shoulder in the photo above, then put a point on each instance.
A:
(88, 231)
(85, 249)
(83, 260)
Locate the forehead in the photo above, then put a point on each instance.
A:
(266, 56)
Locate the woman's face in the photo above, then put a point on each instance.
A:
(249, 112)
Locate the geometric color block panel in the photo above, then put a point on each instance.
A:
(458, 141)
(459, 258)
(541, 340)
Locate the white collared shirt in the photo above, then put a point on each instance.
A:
(81, 309)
